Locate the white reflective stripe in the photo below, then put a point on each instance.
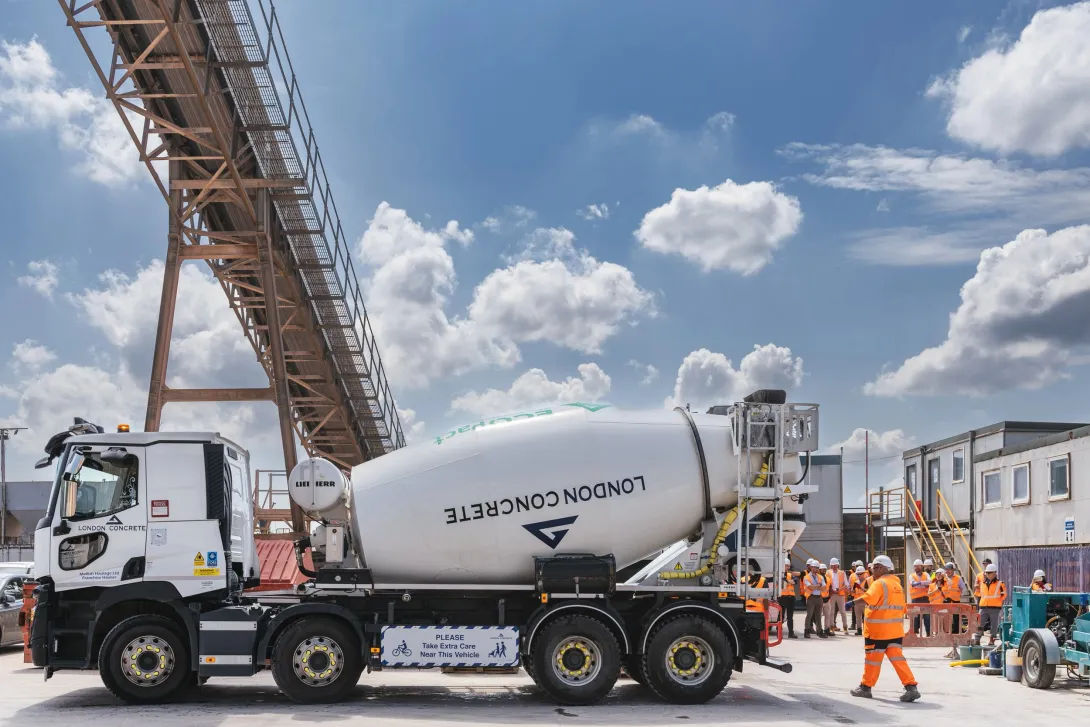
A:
(884, 620)
(228, 626)
(225, 659)
(897, 658)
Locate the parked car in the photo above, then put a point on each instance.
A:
(11, 601)
(22, 568)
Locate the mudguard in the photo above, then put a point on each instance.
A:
(1048, 640)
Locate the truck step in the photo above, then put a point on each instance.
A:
(780, 664)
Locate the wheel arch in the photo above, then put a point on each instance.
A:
(612, 620)
(114, 605)
(1048, 642)
(691, 607)
(294, 613)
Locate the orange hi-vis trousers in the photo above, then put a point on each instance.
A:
(874, 651)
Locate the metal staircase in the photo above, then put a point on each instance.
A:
(211, 101)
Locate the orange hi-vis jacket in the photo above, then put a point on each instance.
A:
(757, 604)
(838, 582)
(790, 580)
(952, 590)
(859, 585)
(976, 585)
(1036, 587)
(992, 594)
(935, 592)
(884, 616)
(814, 585)
(918, 585)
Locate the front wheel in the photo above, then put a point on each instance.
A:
(317, 660)
(688, 660)
(144, 660)
(576, 660)
(1035, 671)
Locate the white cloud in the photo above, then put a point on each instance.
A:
(534, 388)
(1019, 325)
(41, 277)
(594, 212)
(31, 97)
(29, 355)
(686, 143)
(207, 345)
(882, 445)
(963, 33)
(722, 121)
(706, 378)
(649, 372)
(410, 427)
(909, 246)
(883, 205)
(550, 292)
(731, 226)
(513, 217)
(1032, 95)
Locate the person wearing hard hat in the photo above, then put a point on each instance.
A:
(786, 599)
(980, 577)
(838, 595)
(992, 593)
(815, 590)
(852, 580)
(935, 592)
(952, 592)
(883, 631)
(929, 568)
(860, 584)
(918, 585)
(1040, 582)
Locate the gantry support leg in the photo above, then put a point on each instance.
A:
(167, 301)
(266, 261)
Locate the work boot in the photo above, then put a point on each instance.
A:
(911, 693)
(822, 635)
(828, 632)
(806, 635)
(864, 691)
(792, 635)
(859, 632)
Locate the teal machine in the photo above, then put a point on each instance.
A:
(1048, 629)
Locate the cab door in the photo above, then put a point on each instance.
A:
(99, 535)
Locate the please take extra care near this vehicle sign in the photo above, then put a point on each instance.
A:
(450, 646)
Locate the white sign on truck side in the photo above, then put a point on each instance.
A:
(450, 646)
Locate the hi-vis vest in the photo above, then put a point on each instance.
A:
(838, 582)
(756, 604)
(814, 585)
(884, 616)
(918, 585)
(992, 594)
(952, 591)
(789, 581)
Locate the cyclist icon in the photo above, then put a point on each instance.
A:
(402, 649)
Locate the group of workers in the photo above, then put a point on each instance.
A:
(877, 603)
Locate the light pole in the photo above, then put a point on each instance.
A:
(5, 433)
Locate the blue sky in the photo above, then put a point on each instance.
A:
(868, 172)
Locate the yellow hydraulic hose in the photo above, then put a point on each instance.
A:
(720, 535)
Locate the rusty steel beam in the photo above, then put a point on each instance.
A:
(223, 251)
(210, 395)
(165, 326)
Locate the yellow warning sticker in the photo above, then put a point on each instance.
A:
(787, 490)
(206, 571)
(677, 566)
(198, 559)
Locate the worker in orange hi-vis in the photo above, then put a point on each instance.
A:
(883, 631)
(838, 596)
(859, 586)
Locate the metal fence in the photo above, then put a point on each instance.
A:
(1067, 567)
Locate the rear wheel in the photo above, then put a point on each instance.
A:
(688, 660)
(144, 660)
(633, 667)
(317, 660)
(1035, 671)
(576, 660)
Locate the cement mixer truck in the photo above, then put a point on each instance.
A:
(579, 542)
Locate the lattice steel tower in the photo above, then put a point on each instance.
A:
(211, 102)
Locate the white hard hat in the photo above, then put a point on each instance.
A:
(860, 569)
(917, 562)
(884, 561)
(950, 566)
(787, 561)
(1036, 574)
(810, 562)
(929, 562)
(834, 561)
(822, 565)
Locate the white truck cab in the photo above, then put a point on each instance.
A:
(126, 508)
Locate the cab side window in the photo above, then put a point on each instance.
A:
(105, 487)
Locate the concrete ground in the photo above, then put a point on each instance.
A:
(816, 692)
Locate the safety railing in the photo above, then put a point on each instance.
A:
(940, 624)
(955, 528)
(924, 529)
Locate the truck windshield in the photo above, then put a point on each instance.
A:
(102, 487)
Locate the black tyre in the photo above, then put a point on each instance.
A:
(688, 660)
(317, 660)
(144, 660)
(528, 667)
(633, 667)
(1035, 671)
(576, 660)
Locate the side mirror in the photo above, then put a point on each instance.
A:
(69, 500)
(6, 599)
(116, 456)
(43, 462)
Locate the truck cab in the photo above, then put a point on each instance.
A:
(137, 522)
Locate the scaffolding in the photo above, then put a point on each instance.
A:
(211, 101)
